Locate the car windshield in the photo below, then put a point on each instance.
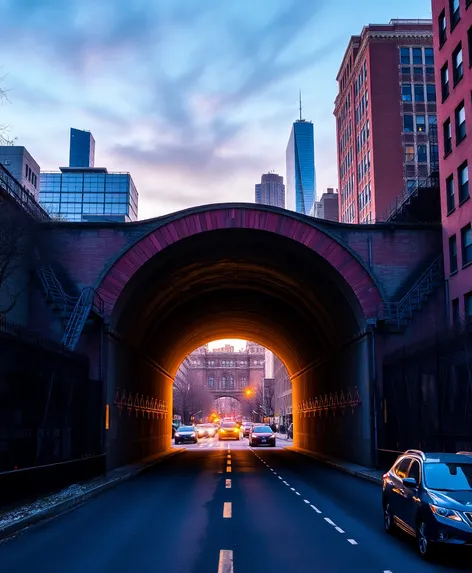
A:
(262, 430)
(186, 429)
(452, 477)
(228, 425)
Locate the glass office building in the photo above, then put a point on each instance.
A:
(82, 149)
(300, 166)
(92, 194)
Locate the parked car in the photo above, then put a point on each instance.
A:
(429, 496)
(261, 436)
(228, 431)
(185, 434)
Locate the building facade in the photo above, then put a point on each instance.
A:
(327, 207)
(282, 392)
(225, 371)
(271, 190)
(300, 168)
(81, 149)
(21, 164)
(452, 24)
(385, 117)
(87, 193)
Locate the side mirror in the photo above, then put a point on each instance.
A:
(410, 482)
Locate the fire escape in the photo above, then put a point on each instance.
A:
(418, 204)
(421, 202)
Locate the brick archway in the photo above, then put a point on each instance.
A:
(275, 221)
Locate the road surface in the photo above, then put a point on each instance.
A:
(225, 508)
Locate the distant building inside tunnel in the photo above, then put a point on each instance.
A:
(224, 372)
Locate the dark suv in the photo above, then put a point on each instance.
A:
(429, 496)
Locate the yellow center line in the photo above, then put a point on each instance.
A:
(228, 469)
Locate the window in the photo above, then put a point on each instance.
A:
(429, 56)
(460, 122)
(401, 470)
(447, 134)
(405, 55)
(224, 381)
(429, 71)
(405, 71)
(450, 193)
(456, 316)
(419, 92)
(417, 56)
(409, 153)
(430, 92)
(432, 121)
(418, 72)
(422, 154)
(406, 92)
(457, 63)
(452, 254)
(468, 306)
(420, 123)
(454, 12)
(466, 244)
(442, 27)
(444, 81)
(463, 182)
(211, 382)
(407, 123)
(414, 471)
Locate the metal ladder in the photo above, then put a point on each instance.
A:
(53, 289)
(401, 312)
(77, 318)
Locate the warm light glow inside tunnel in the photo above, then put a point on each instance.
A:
(237, 283)
(245, 284)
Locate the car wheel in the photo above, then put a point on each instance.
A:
(425, 547)
(388, 519)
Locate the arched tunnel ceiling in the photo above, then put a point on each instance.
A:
(237, 283)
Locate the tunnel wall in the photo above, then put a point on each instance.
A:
(136, 430)
(341, 424)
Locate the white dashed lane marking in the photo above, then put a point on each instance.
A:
(227, 509)
(327, 519)
(225, 564)
(228, 484)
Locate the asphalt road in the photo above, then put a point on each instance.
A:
(268, 510)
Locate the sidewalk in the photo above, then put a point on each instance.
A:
(284, 437)
(369, 474)
(14, 519)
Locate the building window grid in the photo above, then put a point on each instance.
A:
(442, 21)
(463, 182)
(454, 12)
(460, 122)
(452, 254)
(450, 194)
(457, 64)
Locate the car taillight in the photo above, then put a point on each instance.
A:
(385, 476)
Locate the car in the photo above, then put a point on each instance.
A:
(205, 430)
(429, 496)
(261, 436)
(185, 434)
(246, 428)
(228, 431)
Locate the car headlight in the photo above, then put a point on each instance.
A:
(193, 435)
(444, 512)
(176, 435)
(236, 430)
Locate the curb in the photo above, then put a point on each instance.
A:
(338, 466)
(68, 504)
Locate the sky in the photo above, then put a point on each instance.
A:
(195, 98)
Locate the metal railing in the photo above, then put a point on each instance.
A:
(401, 312)
(23, 197)
(53, 289)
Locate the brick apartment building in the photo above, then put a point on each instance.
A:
(384, 109)
(452, 26)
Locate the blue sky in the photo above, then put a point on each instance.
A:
(194, 97)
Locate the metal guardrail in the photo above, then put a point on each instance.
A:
(24, 198)
(401, 312)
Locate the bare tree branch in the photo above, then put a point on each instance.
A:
(5, 138)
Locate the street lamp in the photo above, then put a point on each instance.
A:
(248, 392)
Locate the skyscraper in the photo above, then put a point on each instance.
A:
(82, 149)
(271, 190)
(300, 167)
(384, 112)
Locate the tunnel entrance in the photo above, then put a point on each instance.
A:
(307, 301)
